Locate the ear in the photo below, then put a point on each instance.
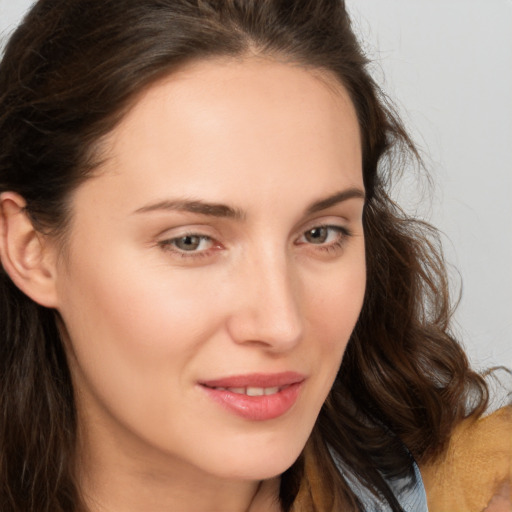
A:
(26, 254)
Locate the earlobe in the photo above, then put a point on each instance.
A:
(25, 253)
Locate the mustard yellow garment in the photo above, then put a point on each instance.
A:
(475, 466)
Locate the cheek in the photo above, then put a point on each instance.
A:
(132, 334)
(125, 297)
(334, 308)
(337, 303)
(131, 325)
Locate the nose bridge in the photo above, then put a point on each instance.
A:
(269, 309)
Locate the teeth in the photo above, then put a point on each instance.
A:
(251, 391)
(255, 392)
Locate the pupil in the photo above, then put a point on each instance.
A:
(188, 243)
(317, 235)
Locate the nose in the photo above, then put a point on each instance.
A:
(267, 309)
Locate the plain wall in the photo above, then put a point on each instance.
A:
(447, 65)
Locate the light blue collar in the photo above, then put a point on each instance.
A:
(412, 498)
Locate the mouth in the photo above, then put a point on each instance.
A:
(251, 391)
(256, 397)
(265, 381)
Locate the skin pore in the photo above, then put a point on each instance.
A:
(221, 237)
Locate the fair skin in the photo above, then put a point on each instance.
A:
(160, 294)
(259, 292)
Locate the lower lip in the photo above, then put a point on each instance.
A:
(257, 408)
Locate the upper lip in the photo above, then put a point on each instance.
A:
(256, 380)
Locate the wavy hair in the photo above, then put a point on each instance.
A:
(69, 73)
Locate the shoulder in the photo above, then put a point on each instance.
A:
(476, 463)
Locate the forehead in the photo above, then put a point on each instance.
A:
(223, 122)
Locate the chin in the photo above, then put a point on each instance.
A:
(248, 466)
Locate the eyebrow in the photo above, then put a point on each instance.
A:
(195, 206)
(225, 211)
(334, 199)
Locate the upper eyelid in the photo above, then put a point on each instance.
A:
(202, 234)
(334, 221)
(195, 234)
(341, 229)
(171, 233)
(207, 231)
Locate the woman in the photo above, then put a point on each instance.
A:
(195, 236)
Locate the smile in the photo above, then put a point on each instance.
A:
(256, 397)
(251, 391)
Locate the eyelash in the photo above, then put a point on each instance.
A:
(343, 234)
(170, 244)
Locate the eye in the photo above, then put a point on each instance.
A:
(326, 240)
(189, 244)
(325, 235)
(317, 235)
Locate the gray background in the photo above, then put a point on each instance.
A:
(447, 65)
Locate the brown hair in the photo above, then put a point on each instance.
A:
(68, 75)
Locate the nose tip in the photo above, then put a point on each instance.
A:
(268, 314)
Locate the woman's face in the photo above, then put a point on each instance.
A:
(216, 269)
